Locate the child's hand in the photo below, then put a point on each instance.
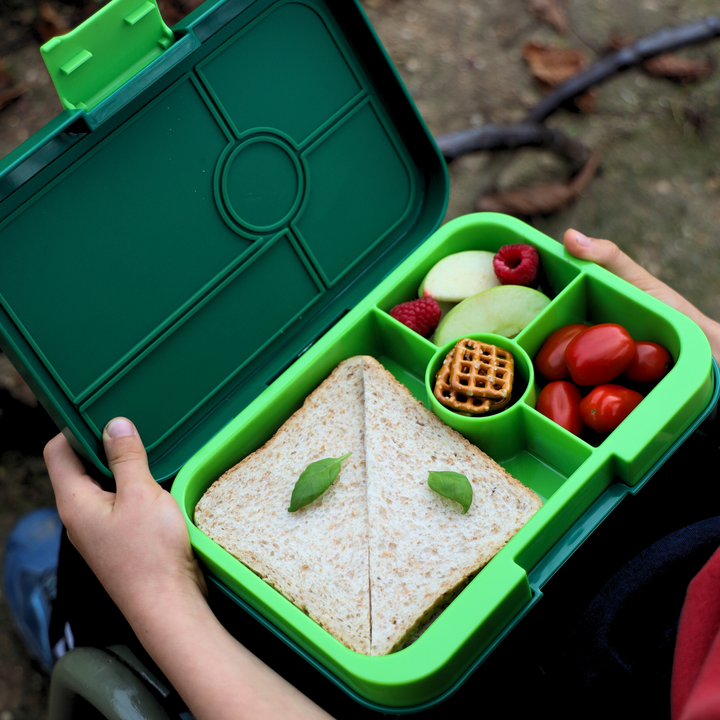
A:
(135, 540)
(608, 255)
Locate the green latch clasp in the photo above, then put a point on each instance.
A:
(96, 58)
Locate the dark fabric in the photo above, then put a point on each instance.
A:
(83, 603)
(623, 645)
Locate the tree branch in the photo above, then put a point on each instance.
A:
(510, 137)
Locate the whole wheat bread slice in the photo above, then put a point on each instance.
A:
(317, 556)
(422, 549)
(379, 553)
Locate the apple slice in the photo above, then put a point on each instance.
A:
(460, 276)
(504, 310)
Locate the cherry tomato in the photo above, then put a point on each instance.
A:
(599, 354)
(560, 401)
(606, 406)
(550, 360)
(650, 363)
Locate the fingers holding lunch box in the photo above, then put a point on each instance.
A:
(126, 456)
(608, 255)
(113, 530)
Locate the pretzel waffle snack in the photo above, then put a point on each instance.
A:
(460, 402)
(482, 370)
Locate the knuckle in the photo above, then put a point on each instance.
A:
(51, 448)
(126, 451)
(612, 250)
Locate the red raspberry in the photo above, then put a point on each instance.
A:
(421, 315)
(516, 264)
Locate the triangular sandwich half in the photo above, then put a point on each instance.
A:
(317, 556)
(422, 549)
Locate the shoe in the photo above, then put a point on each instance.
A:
(30, 579)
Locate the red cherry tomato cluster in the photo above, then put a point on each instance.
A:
(593, 357)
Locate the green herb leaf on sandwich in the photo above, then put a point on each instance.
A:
(314, 480)
(453, 486)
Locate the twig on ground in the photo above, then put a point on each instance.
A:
(664, 41)
(531, 133)
(510, 137)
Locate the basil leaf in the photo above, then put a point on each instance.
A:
(453, 486)
(314, 480)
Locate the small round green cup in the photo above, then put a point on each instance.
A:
(499, 430)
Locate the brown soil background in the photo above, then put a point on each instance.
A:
(657, 192)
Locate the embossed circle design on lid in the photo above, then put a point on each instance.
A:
(261, 183)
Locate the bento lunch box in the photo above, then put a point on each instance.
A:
(228, 209)
(567, 472)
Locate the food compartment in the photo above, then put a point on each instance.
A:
(492, 430)
(593, 300)
(486, 232)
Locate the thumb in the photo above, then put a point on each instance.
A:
(609, 256)
(125, 452)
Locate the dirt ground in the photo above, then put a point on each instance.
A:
(656, 193)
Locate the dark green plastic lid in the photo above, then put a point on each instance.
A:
(170, 247)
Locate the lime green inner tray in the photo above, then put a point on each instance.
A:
(567, 472)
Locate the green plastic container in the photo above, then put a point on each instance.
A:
(228, 209)
(570, 475)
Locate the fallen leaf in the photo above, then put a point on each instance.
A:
(50, 22)
(540, 199)
(552, 66)
(674, 67)
(11, 381)
(587, 102)
(552, 12)
(615, 43)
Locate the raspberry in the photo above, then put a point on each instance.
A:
(421, 315)
(516, 264)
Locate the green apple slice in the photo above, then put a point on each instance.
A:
(459, 276)
(504, 310)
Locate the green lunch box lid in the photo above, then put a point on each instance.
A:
(213, 199)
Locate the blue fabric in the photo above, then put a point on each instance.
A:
(29, 578)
